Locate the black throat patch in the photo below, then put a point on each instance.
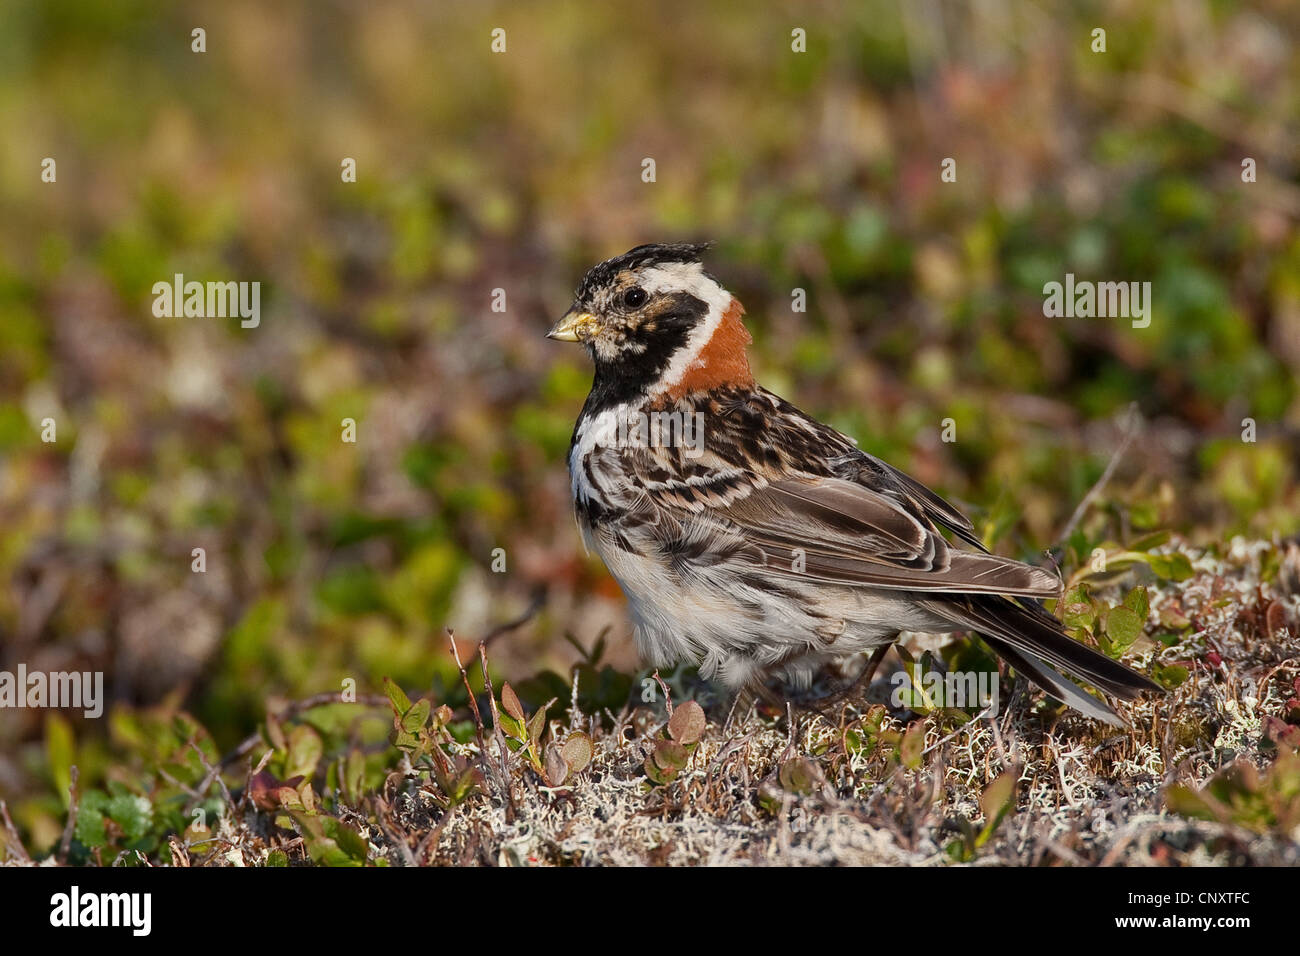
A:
(646, 352)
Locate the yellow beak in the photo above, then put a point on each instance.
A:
(574, 327)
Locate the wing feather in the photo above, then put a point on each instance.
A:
(844, 533)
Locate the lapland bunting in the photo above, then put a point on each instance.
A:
(756, 542)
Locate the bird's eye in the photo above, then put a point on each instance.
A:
(634, 298)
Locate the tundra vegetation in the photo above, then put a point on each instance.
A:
(260, 532)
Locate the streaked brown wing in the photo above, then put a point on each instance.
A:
(932, 505)
(841, 532)
(799, 499)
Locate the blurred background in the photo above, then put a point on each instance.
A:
(518, 170)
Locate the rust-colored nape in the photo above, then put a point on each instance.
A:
(722, 360)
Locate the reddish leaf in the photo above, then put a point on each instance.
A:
(510, 703)
(557, 768)
(686, 726)
(264, 789)
(670, 755)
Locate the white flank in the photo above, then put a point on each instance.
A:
(598, 432)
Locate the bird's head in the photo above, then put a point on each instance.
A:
(656, 323)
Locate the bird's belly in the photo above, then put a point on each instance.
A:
(674, 620)
(735, 631)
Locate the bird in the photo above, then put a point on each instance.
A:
(752, 540)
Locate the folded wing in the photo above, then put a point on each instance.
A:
(840, 532)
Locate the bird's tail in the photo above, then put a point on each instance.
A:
(1032, 641)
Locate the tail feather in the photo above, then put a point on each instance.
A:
(1056, 685)
(1033, 641)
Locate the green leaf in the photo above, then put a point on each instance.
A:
(464, 784)
(1119, 560)
(1189, 803)
(133, 814)
(1151, 541)
(305, 749)
(401, 703)
(1170, 676)
(577, 751)
(275, 732)
(1172, 567)
(537, 727)
(329, 842)
(658, 774)
(415, 719)
(349, 840)
(996, 801)
(996, 797)
(913, 745)
(1078, 610)
(874, 719)
(90, 830)
(352, 775)
(959, 851)
(513, 728)
(670, 755)
(60, 752)
(799, 775)
(1123, 627)
(1174, 619)
(1139, 602)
